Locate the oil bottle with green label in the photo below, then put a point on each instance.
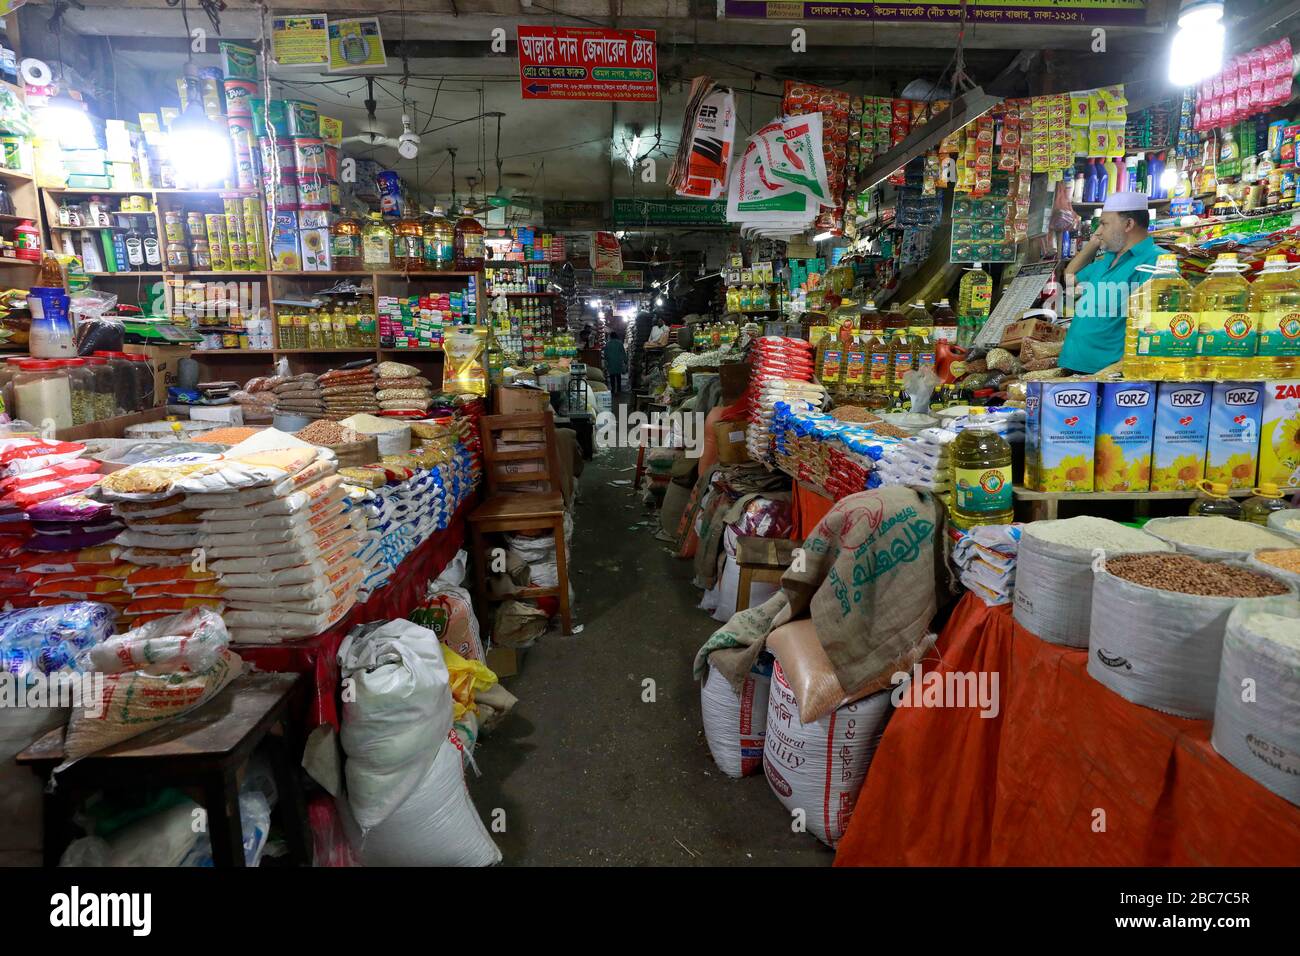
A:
(1227, 336)
(982, 473)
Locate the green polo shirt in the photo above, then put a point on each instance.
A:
(1096, 335)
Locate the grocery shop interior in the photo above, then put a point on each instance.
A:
(684, 433)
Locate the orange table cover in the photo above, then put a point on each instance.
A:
(809, 509)
(948, 787)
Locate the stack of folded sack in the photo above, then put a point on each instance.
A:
(922, 461)
(348, 392)
(986, 557)
(299, 395)
(402, 392)
(274, 548)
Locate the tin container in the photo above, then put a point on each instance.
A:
(313, 193)
(302, 119)
(239, 93)
(309, 156)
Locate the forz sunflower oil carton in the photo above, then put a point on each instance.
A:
(1126, 421)
(1181, 433)
(1279, 444)
(1060, 434)
(1232, 452)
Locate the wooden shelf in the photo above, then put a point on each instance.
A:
(1045, 504)
(1223, 221)
(88, 228)
(5, 217)
(7, 261)
(232, 352)
(415, 351)
(129, 275)
(16, 175)
(357, 351)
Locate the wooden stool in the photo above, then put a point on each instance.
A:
(204, 751)
(761, 559)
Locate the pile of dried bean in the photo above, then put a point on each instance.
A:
(1188, 575)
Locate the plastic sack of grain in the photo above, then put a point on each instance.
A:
(1264, 558)
(1286, 522)
(736, 724)
(448, 610)
(819, 767)
(396, 717)
(1257, 709)
(1159, 648)
(1216, 537)
(435, 825)
(1053, 595)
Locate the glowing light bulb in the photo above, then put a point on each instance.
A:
(1197, 48)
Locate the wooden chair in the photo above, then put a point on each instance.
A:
(508, 510)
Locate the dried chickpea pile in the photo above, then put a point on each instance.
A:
(1188, 575)
(327, 433)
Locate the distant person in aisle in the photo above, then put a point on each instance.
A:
(615, 361)
(1103, 274)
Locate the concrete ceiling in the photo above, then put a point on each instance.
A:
(555, 150)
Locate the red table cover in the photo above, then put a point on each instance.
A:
(948, 787)
(317, 655)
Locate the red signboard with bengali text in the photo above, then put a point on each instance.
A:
(588, 63)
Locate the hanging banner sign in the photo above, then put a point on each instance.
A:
(588, 63)
(356, 44)
(300, 41)
(636, 213)
(628, 279)
(1107, 12)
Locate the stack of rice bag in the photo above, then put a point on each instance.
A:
(921, 461)
(258, 535)
(402, 392)
(782, 372)
(299, 395)
(348, 392)
(986, 557)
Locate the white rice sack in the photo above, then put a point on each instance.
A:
(398, 718)
(819, 767)
(736, 724)
(435, 825)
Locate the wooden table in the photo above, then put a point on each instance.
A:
(202, 751)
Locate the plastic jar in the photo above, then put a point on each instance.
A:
(123, 382)
(82, 388)
(142, 381)
(103, 396)
(42, 393)
(8, 369)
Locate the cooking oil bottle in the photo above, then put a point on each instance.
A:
(855, 365)
(982, 473)
(1275, 305)
(1266, 500)
(830, 361)
(1161, 334)
(877, 349)
(975, 293)
(920, 327)
(900, 348)
(1213, 500)
(1226, 336)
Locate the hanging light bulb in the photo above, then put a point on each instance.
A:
(1197, 49)
(198, 149)
(66, 120)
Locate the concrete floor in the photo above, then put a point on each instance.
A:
(586, 772)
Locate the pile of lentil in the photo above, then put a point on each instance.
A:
(231, 435)
(1188, 575)
(327, 433)
(1288, 559)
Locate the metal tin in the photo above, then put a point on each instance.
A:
(239, 93)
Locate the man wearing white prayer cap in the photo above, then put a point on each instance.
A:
(1105, 271)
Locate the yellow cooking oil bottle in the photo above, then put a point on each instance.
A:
(920, 327)
(975, 292)
(1213, 499)
(982, 473)
(900, 348)
(1275, 305)
(1161, 334)
(1267, 499)
(1226, 336)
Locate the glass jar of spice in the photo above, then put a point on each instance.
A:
(201, 256)
(103, 399)
(123, 382)
(178, 257)
(142, 381)
(81, 386)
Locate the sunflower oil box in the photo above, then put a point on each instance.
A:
(1126, 421)
(1279, 444)
(1232, 451)
(1060, 435)
(1181, 434)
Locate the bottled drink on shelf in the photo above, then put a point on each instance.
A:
(877, 349)
(900, 348)
(920, 328)
(1275, 305)
(1226, 336)
(945, 322)
(408, 245)
(1161, 331)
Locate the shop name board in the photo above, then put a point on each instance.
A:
(1110, 12)
(588, 63)
(558, 212)
(635, 213)
(627, 279)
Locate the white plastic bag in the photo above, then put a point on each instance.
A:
(735, 725)
(1259, 732)
(436, 825)
(398, 716)
(819, 767)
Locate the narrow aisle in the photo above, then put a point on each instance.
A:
(587, 772)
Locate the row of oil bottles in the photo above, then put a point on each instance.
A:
(1224, 328)
(338, 325)
(759, 297)
(713, 335)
